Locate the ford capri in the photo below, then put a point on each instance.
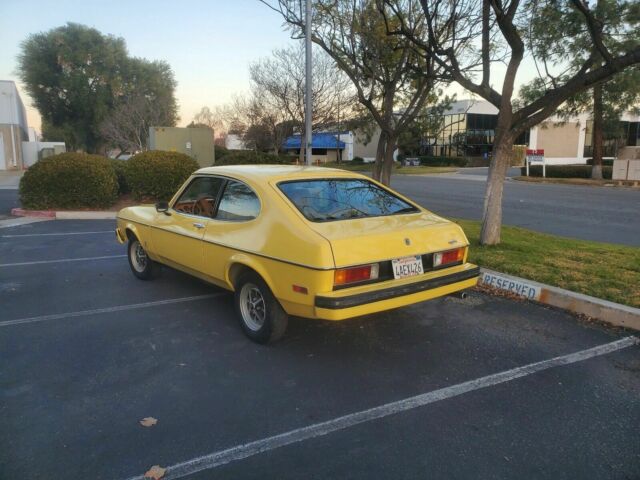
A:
(311, 242)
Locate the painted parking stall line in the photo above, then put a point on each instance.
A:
(240, 452)
(62, 260)
(119, 308)
(60, 234)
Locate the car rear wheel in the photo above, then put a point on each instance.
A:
(141, 265)
(261, 316)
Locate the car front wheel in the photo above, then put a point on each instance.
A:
(141, 265)
(261, 316)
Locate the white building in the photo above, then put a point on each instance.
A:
(13, 126)
(469, 130)
(20, 145)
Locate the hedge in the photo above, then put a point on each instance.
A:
(157, 174)
(357, 161)
(120, 167)
(607, 162)
(250, 157)
(565, 171)
(220, 151)
(69, 180)
(442, 161)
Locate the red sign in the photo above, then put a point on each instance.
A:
(539, 152)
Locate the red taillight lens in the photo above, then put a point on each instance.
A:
(450, 256)
(344, 276)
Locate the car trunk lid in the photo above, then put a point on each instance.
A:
(375, 239)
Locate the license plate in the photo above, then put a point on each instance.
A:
(407, 267)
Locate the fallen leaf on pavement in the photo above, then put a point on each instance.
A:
(156, 472)
(148, 422)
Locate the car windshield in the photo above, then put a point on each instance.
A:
(340, 199)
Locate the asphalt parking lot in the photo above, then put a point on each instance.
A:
(481, 388)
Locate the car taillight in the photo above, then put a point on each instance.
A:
(344, 276)
(450, 256)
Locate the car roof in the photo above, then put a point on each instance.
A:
(262, 173)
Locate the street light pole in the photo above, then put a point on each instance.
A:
(308, 84)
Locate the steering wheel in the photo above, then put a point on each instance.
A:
(202, 206)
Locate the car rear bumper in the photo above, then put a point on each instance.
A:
(340, 305)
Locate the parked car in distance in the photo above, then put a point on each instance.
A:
(312, 242)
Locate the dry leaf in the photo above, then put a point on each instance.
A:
(156, 472)
(148, 422)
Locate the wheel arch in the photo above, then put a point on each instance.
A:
(239, 264)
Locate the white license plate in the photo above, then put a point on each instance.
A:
(407, 267)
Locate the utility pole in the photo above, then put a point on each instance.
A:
(308, 84)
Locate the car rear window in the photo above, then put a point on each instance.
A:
(326, 200)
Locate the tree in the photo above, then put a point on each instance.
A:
(278, 91)
(490, 31)
(145, 99)
(71, 73)
(77, 77)
(557, 34)
(127, 127)
(392, 80)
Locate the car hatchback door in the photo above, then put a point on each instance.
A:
(178, 236)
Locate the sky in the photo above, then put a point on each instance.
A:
(209, 44)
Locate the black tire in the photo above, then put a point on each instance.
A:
(265, 326)
(141, 265)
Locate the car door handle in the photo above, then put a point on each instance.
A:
(198, 225)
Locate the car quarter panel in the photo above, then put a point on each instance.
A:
(277, 244)
(138, 220)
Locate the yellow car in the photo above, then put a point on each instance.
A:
(312, 242)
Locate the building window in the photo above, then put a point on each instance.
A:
(319, 151)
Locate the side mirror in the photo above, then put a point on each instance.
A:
(163, 207)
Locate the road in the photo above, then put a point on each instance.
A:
(87, 351)
(604, 214)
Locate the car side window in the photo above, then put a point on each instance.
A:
(199, 198)
(238, 203)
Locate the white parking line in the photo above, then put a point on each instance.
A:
(61, 260)
(55, 234)
(120, 308)
(240, 452)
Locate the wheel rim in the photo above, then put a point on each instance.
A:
(252, 307)
(139, 257)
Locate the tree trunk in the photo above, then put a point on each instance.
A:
(492, 216)
(597, 141)
(387, 165)
(380, 155)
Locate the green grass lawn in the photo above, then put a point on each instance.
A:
(603, 270)
(367, 168)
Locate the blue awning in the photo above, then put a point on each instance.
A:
(318, 140)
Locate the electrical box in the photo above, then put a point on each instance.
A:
(620, 168)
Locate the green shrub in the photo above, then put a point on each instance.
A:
(157, 174)
(357, 161)
(607, 162)
(69, 180)
(220, 152)
(120, 167)
(518, 155)
(250, 157)
(430, 161)
(565, 171)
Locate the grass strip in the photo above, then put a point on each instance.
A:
(603, 270)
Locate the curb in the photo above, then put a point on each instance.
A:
(613, 313)
(64, 215)
(21, 212)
